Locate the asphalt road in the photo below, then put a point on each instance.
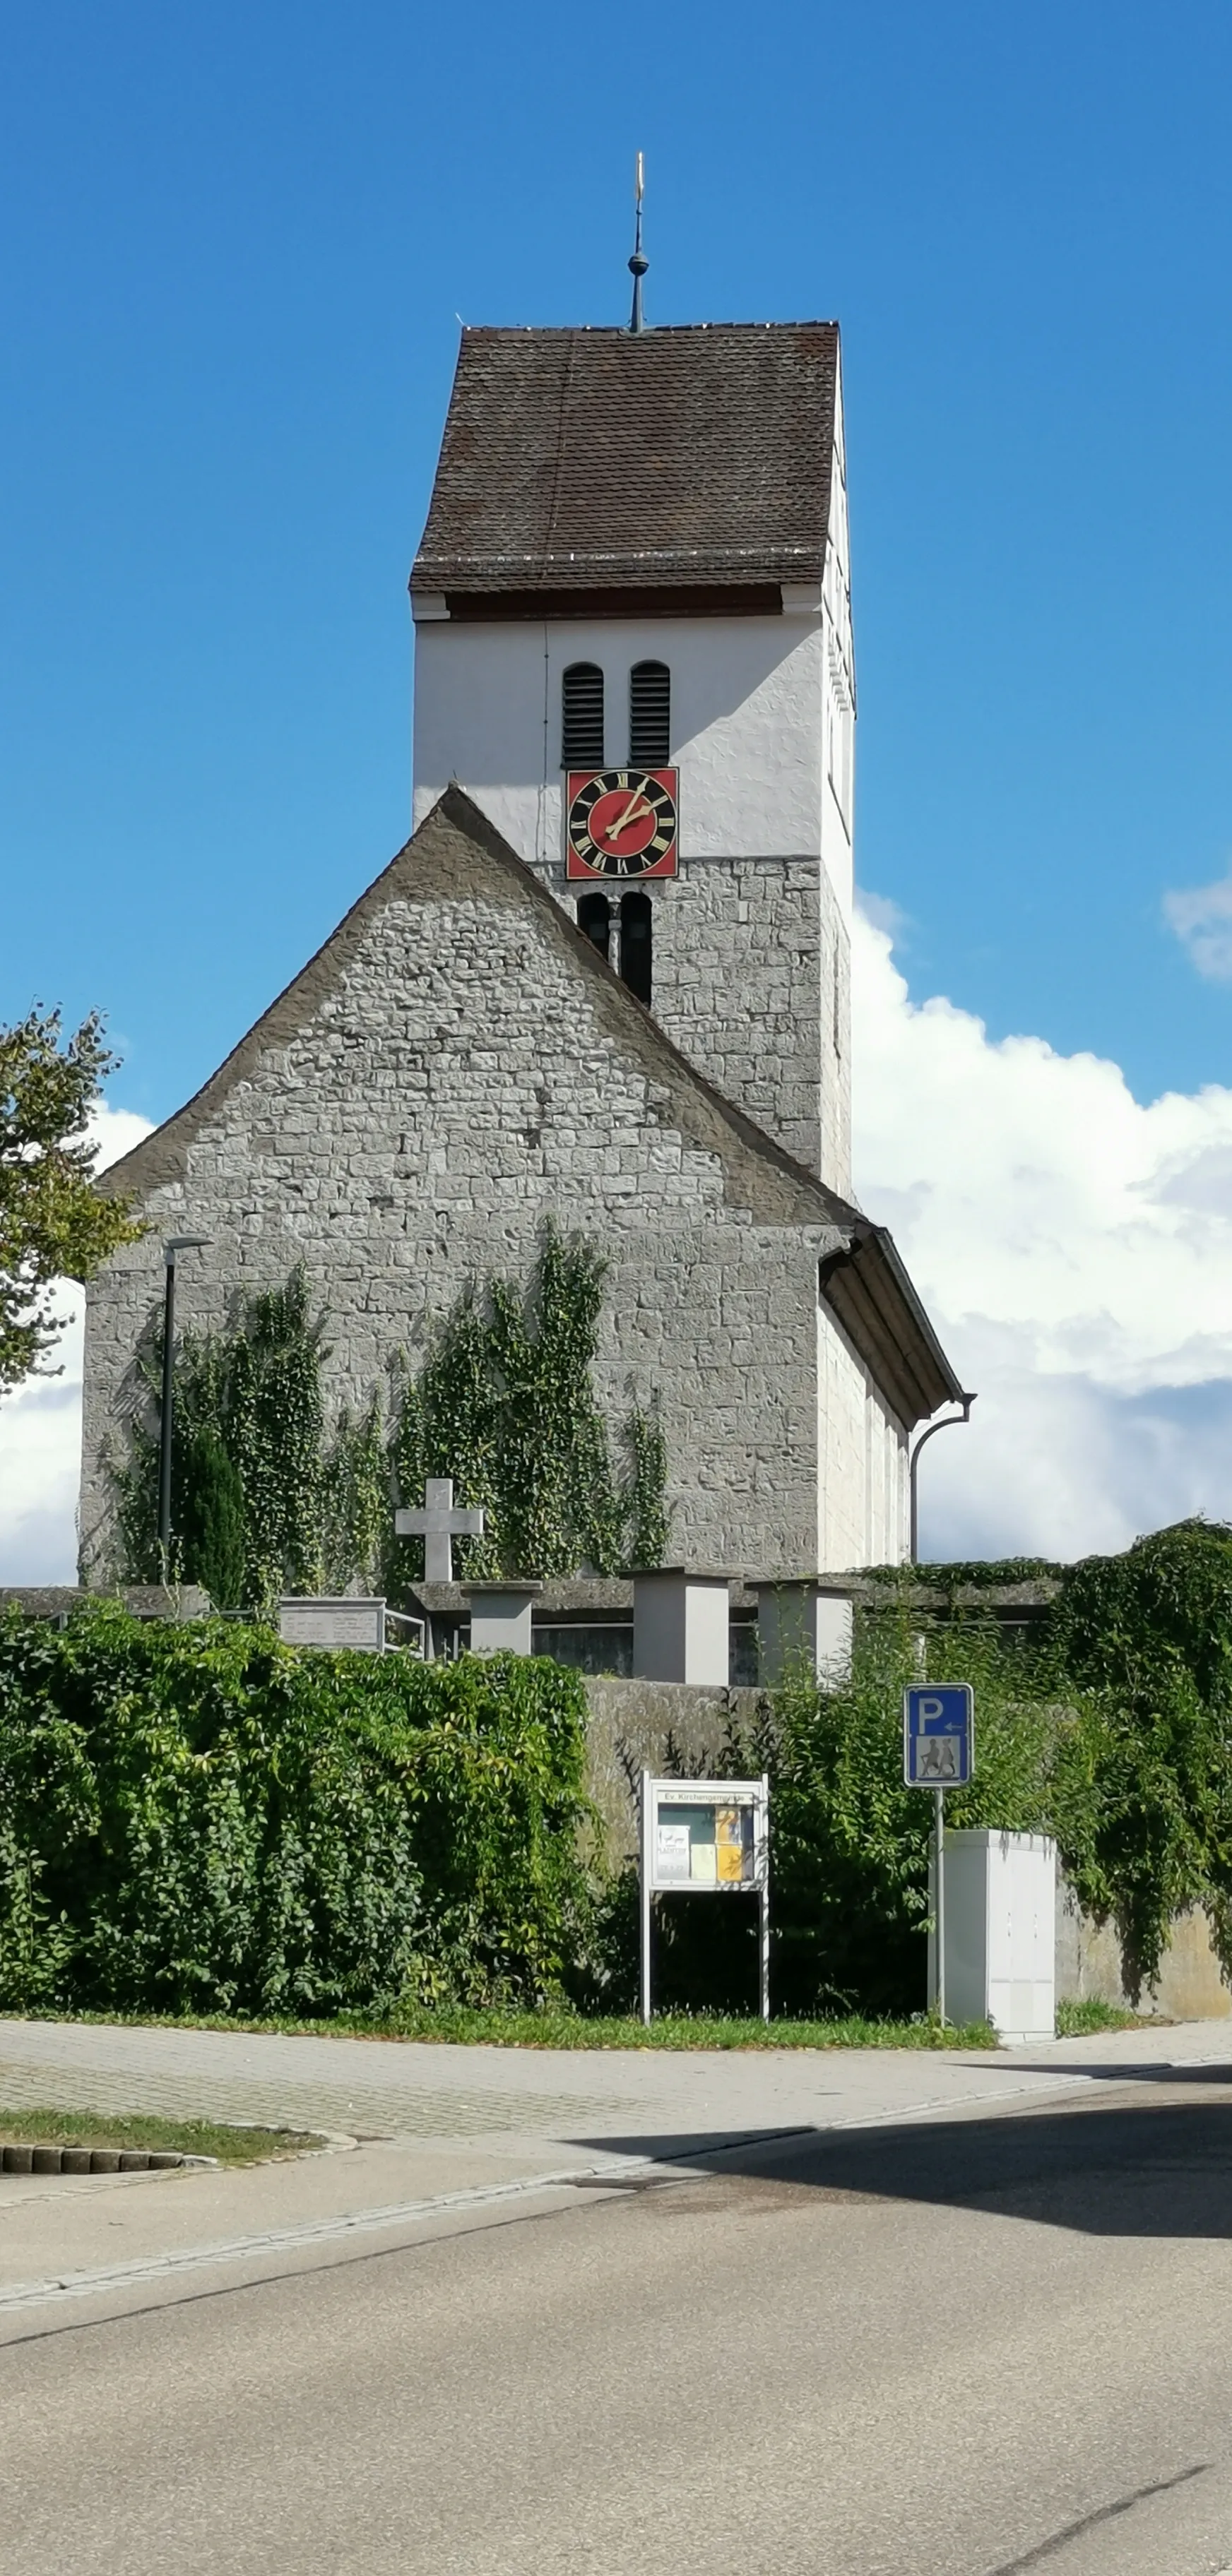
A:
(971, 2346)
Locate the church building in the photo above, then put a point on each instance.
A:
(606, 983)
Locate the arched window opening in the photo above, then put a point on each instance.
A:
(595, 918)
(636, 912)
(581, 716)
(650, 714)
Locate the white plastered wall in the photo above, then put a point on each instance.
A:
(862, 1498)
(747, 724)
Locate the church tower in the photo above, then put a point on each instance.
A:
(634, 651)
(605, 984)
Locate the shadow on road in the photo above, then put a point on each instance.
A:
(1143, 2168)
(1111, 2070)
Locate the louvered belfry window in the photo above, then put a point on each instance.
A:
(650, 714)
(581, 716)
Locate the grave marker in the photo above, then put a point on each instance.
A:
(438, 1524)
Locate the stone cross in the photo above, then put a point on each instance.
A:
(438, 1525)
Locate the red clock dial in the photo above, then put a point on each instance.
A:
(622, 823)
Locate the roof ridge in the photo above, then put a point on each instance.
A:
(620, 330)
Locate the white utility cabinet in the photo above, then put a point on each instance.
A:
(1000, 1933)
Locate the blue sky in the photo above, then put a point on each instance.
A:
(239, 240)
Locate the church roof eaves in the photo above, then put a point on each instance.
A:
(872, 1297)
(695, 455)
(458, 850)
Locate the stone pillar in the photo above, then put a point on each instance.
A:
(501, 1616)
(801, 1620)
(680, 1625)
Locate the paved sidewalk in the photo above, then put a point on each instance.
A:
(394, 2089)
(450, 2136)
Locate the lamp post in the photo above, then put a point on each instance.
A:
(951, 1420)
(176, 1243)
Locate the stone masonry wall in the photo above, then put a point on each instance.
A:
(636, 1726)
(452, 1069)
(752, 981)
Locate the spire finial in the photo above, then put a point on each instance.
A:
(638, 264)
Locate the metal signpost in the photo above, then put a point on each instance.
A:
(706, 1837)
(939, 1754)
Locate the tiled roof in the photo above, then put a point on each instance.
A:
(608, 459)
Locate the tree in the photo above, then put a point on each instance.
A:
(53, 1224)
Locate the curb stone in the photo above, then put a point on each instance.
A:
(109, 2160)
(94, 2160)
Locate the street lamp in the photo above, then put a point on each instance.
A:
(949, 1423)
(176, 1243)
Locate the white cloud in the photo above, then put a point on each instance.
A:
(40, 1428)
(884, 914)
(1075, 1251)
(1201, 916)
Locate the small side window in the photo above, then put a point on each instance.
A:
(581, 716)
(650, 714)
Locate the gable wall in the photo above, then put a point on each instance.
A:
(460, 1080)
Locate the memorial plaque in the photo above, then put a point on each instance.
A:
(355, 1622)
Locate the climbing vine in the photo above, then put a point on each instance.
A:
(506, 1405)
(251, 1398)
(268, 1498)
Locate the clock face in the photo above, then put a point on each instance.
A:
(621, 823)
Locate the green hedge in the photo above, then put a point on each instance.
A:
(199, 1819)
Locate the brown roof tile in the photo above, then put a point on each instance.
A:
(607, 459)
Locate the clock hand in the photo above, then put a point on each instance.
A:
(612, 831)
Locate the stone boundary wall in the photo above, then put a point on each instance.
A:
(637, 1726)
(1090, 1967)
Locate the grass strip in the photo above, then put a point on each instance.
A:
(230, 2144)
(464, 2026)
(1079, 2020)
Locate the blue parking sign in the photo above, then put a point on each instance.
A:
(938, 1735)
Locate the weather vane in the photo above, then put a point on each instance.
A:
(638, 264)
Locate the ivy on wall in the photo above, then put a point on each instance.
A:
(506, 1405)
(267, 1498)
